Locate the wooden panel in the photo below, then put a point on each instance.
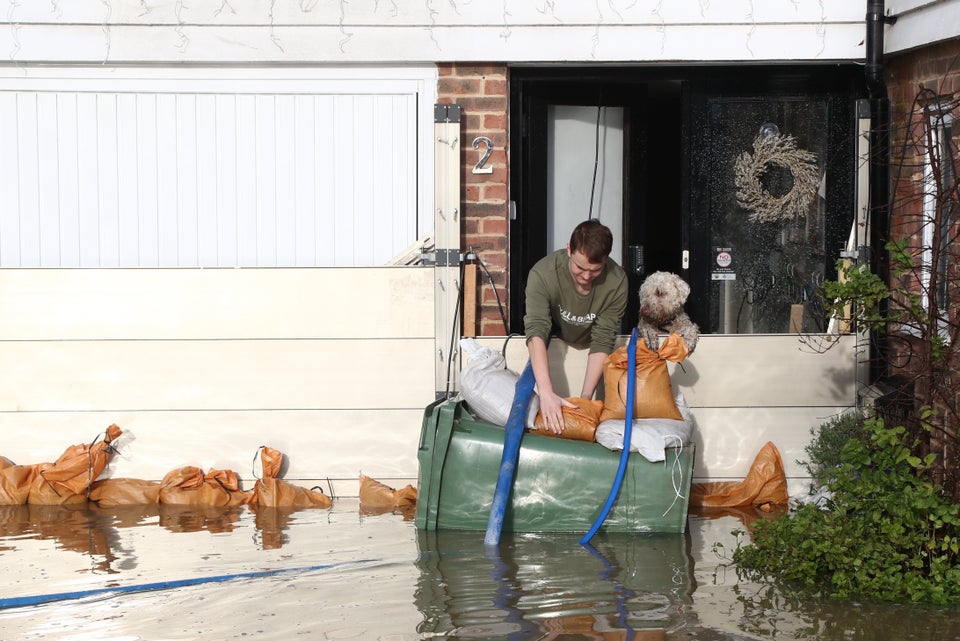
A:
(42, 304)
(732, 371)
(216, 374)
(336, 444)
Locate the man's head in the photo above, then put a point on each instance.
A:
(590, 244)
(593, 239)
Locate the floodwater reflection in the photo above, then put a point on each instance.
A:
(188, 572)
(549, 586)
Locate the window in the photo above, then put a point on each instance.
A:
(939, 210)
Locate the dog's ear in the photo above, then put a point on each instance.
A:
(683, 289)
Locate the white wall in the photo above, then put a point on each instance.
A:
(332, 366)
(920, 22)
(211, 31)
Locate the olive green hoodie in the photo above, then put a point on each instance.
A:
(554, 304)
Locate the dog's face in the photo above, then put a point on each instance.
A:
(662, 296)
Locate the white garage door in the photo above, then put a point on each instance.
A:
(214, 167)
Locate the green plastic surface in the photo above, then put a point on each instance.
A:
(560, 485)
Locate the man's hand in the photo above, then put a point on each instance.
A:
(551, 411)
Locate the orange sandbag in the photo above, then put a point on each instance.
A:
(15, 482)
(44, 493)
(80, 465)
(377, 495)
(579, 423)
(765, 484)
(190, 486)
(273, 492)
(653, 396)
(123, 491)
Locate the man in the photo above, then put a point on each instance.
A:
(580, 294)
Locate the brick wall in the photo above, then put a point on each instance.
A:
(914, 78)
(935, 68)
(482, 92)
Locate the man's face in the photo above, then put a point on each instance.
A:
(583, 271)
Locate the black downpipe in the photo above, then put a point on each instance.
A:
(879, 181)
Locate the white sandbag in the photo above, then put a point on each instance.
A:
(650, 436)
(488, 386)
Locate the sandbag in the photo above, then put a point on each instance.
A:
(66, 480)
(80, 465)
(188, 485)
(15, 482)
(488, 386)
(653, 395)
(650, 436)
(270, 491)
(379, 498)
(124, 491)
(579, 423)
(44, 493)
(765, 484)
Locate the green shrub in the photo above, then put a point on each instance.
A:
(885, 534)
(827, 444)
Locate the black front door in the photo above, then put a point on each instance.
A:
(772, 166)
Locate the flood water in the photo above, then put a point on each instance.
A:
(167, 572)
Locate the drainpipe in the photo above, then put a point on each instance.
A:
(879, 181)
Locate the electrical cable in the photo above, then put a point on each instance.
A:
(493, 286)
(454, 329)
(596, 162)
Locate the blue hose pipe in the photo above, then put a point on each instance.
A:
(627, 432)
(511, 452)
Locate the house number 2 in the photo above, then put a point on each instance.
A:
(479, 167)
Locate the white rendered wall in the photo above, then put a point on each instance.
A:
(332, 367)
(249, 31)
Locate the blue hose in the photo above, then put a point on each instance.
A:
(627, 431)
(511, 452)
(39, 599)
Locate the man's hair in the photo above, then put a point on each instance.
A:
(593, 239)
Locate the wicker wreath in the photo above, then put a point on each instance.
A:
(775, 149)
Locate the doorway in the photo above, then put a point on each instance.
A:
(584, 143)
(652, 153)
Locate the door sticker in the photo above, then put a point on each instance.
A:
(723, 268)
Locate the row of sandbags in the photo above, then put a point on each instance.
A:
(73, 478)
(488, 387)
